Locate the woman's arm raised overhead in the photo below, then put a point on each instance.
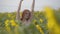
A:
(18, 11)
(32, 8)
(33, 4)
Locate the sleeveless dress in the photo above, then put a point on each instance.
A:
(27, 28)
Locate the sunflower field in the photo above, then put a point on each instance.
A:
(46, 22)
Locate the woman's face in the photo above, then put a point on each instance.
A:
(26, 16)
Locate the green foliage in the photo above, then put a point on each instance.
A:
(37, 16)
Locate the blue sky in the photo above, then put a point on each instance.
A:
(12, 5)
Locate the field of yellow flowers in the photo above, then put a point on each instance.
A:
(47, 22)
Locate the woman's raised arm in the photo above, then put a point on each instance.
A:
(33, 4)
(18, 11)
(32, 8)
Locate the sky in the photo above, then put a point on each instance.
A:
(12, 5)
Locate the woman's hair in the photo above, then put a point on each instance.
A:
(24, 12)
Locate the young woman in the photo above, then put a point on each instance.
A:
(26, 14)
(27, 27)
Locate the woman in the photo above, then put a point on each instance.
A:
(26, 26)
(26, 15)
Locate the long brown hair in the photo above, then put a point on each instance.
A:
(24, 12)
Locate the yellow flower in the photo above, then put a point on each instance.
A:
(6, 25)
(50, 17)
(40, 29)
(53, 27)
(6, 22)
(13, 23)
(41, 20)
